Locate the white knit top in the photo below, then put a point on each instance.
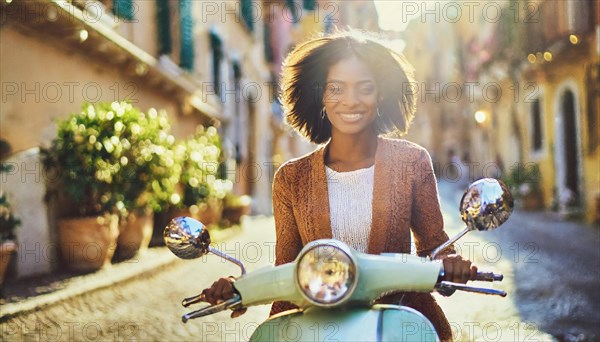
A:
(350, 205)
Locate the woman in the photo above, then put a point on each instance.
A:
(369, 191)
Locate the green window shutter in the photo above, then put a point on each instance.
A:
(267, 42)
(186, 60)
(123, 9)
(163, 18)
(217, 54)
(310, 5)
(247, 14)
(237, 71)
(291, 5)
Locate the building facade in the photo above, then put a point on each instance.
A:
(202, 62)
(546, 66)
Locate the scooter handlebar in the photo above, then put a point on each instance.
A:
(481, 276)
(449, 287)
(211, 309)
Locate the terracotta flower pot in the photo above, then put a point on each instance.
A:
(135, 234)
(183, 212)
(7, 248)
(532, 201)
(88, 243)
(210, 212)
(234, 214)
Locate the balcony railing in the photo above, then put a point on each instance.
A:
(550, 21)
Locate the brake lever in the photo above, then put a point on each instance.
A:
(447, 286)
(232, 302)
(193, 300)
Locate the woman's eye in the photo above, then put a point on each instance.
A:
(334, 89)
(367, 90)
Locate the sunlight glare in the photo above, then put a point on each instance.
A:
(395, 15)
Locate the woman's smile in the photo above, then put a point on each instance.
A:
(351, 117)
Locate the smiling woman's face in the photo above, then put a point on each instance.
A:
(350, 97)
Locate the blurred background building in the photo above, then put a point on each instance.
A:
(512, 89)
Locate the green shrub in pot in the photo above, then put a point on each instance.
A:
(111, 158)
(202, 190)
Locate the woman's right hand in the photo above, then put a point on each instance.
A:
(220, 291)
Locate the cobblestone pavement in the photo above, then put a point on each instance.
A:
(551, 275)
(149, 309)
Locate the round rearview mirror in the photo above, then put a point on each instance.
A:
(486, 204)
(187, 238)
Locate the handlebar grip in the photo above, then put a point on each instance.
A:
(488, 276)
(211, 309)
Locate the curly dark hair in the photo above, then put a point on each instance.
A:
(304, 74)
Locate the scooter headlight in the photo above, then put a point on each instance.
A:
(326, 273)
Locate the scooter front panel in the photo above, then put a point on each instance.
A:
(379, 323)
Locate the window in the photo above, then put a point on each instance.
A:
(310, 5)
(267, 42)
(163, 17)
(186, 55)
(248, 14)
(123, 9)
(291, 4)
(593, 105)
(217, 55)
(175, 33)
(536, 126)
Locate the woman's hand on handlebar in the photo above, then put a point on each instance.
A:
(458, 270)
(220, 291)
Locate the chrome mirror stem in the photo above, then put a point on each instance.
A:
(448, 243)
(228, 258)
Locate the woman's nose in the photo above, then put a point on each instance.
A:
(350, 98)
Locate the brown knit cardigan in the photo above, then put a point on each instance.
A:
(405, 198)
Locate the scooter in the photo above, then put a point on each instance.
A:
(335, 286)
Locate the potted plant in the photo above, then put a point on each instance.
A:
(524, 182)
(234, 207)
(202, 191)
(147, 181)
(85, 159)
(8, 224)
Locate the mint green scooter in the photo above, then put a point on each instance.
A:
(335, 286)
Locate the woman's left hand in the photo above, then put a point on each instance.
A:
(458, 270)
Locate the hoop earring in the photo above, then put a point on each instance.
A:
(380, 126)
(321, 122)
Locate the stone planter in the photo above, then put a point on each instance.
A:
(7, 248)
(88, 243)
(135, 233)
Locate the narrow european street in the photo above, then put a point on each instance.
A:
(551, 274)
